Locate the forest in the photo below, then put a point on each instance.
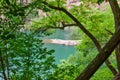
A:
(59, 40)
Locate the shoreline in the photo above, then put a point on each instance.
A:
(62, 42)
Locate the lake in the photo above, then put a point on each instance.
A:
(61, 51)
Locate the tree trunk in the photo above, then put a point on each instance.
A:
(100, 58)
(116, 12)
(86, 32)
(2, 66)
(117, 77)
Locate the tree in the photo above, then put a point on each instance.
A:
(22, 55)
(17, 13)
(104, 52)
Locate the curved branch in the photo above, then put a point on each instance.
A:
(98, 46)
(78, 23)
(100, 58)
(43, 29)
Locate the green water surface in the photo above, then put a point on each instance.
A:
(61, 51)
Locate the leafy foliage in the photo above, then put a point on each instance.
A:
(22, 55)
(29, 58)
(96, 22)
(22, 51)
(64, 71)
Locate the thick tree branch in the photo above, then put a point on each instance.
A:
(101, 57)
(98, 46)
(116, 12)
(78, 23)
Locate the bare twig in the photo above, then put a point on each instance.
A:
(111, 33)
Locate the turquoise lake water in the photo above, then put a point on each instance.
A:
(61, 51)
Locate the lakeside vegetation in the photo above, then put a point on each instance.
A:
(23, 57)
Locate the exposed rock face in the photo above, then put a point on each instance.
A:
(63, 42)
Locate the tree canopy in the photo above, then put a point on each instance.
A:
(22, 54)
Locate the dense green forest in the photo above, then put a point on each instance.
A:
(25, 23)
